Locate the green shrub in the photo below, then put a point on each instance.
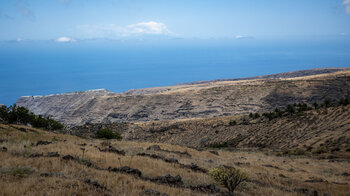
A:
(319, 150)
(256, 115)
(228, 177)
(21, 115)
(108, 134)
(232, 122)
(335, 149)
(297, 152)
(4, 113)
(327, 103)
(290, 109)
(343, 101)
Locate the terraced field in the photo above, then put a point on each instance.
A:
(307, 130)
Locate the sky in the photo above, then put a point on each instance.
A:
(57, 46)
(74, 20)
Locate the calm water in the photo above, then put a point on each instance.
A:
(41, 68)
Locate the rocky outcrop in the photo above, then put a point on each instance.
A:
(203, 100)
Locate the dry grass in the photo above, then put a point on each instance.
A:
(290, 174)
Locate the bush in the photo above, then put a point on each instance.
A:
(256, 115)
(290, 109)
(343, 102)
(4, 113)
(232, 122)
(327, 103)
(108, 134)
(229, 177)
(319, 150)
(21, 115)
(298, 152)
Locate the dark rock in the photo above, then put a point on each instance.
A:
(306, 191)
(53, 174)
(168, 179)
(86, 162)
(315, 180)
(242, 164)
(113, 150)
(127, 170)
(214, 152)
(205, 188)
(272, 166)
(340, 183)
(84, 144)
(154, 147)
(154, 156)
(3, 140)
(68, 157)
(194, 167)
(40, 142)
(225, 166)
(96, 184)
(35, 155)
(157, 148)
(345, 174)
(152, 192)
(53, 154)
(23, 129)
(4, 149)
(282, 176)
(171, 160)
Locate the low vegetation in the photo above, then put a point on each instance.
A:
(21, 115)
(229, 177)
(37, 162)
(108, 134)
(298, 108)
(19, 171)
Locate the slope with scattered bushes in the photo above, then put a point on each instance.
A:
(37, 162)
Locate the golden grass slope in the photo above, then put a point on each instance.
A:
(269, 174)
(307, 130)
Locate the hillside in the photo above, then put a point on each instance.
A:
(37, 162)
(203, 100)
(291, 74)
(306, 131)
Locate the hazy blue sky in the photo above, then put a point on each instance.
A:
(70, 20)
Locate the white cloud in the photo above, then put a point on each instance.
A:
(65, 39)
(346, 4)
(147, 28)
(114, 31)
(243, 37)
(19, 39)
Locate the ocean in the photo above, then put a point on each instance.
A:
(47, 67)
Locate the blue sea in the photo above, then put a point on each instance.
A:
(47, 67)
